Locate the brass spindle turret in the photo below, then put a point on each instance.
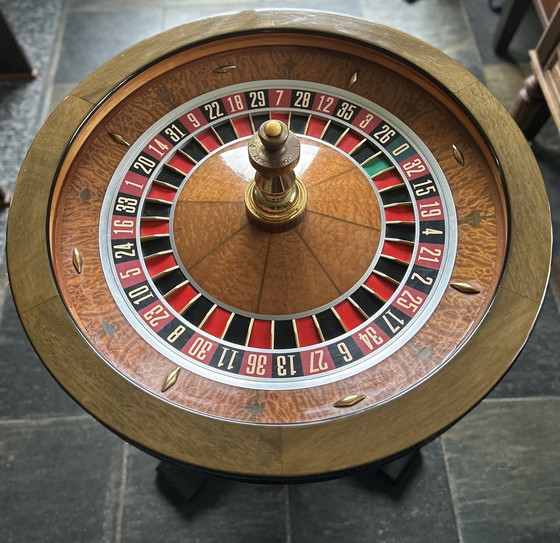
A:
(276, 199)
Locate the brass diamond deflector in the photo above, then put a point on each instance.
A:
(119, 139)
(458, 155)
(224, 69)
(77, 260)
(350, 400)
(466, 288)
(171, 379)
(353, 80)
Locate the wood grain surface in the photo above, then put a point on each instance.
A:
(285, 273)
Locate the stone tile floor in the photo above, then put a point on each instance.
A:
(494, 477)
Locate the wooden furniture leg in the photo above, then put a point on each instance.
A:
(540, 95)
(510, 18)
(530, 110)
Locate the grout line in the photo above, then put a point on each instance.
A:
(122, 490)
(3, 296)
(44, 421)
(452, 494)
(4, 286)
(521, 399)
(554, 281)
(50, 72)
(113, 494)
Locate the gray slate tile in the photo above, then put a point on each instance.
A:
(93, 37)
(89, 5)
(59, 479)
(370, 507)
(35, 24)
(483, 22)
(504, 469)
(187, 12)
(536, 372)
(546, 147)
(440, 23)
(220, 511)
(26, 387)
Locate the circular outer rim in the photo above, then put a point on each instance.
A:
(289, 451)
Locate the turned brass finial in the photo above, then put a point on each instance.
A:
(275, 200)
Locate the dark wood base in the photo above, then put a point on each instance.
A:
(180, 485)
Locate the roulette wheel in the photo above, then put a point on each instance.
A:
(279, 245)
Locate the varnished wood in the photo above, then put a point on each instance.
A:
(255, 271)
(205, 423)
